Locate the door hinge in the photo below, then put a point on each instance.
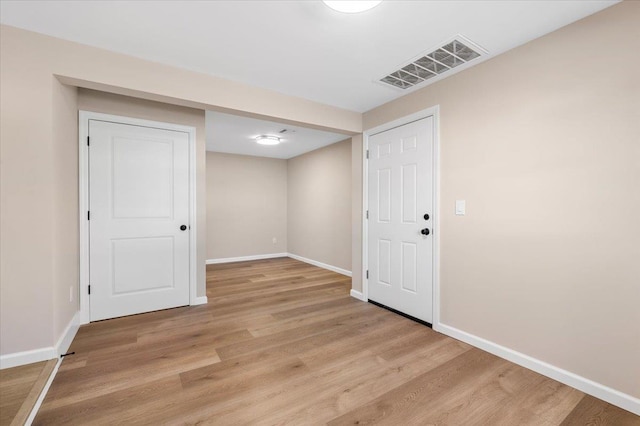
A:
(88, 215)
(367, 274)
(367, 154)
(367, 214)
(88, 141)
(89, 289)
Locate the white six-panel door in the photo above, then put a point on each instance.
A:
(400, 240)
(139, 199)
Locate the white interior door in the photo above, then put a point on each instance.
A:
(139, 201)
(400, 242)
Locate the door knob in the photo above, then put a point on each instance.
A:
(183, 227)
(425, 231)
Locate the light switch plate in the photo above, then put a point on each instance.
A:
(461, 207)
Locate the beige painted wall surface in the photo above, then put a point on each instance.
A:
(107, 103)
(543, 143)
(319, 207)
(26, 202)
(246, 205)
(65, 276)
(356, 213)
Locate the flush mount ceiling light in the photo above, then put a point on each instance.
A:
(267, 140)
(351, 6)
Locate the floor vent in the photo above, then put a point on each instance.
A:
(439, 61)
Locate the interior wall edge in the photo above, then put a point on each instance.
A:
(357, 295)
(319, 205)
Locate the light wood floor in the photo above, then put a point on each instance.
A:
(281, 342)
(20, 388)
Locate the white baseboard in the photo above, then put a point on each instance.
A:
(200, 300)
(43, 354)
(43, 393)
(358, 295)
(68, 334)
(320, 264)
(245, 258)
(583, 384)
(275, 255)
(27, 357)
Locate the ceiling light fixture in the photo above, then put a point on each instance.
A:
(267, 140)
(351, 6)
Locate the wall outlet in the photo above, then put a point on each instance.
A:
(275, 240)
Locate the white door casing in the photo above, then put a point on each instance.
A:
(400, 193)
(137, 182)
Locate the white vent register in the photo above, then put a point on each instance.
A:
(439, 61)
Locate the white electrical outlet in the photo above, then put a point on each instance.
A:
(275, 240)
(461, 207)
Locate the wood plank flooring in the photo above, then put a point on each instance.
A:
(282, 343)
(20, 388)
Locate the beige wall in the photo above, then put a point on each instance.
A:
(246, 205)
(356, 213)
(38, 198)
(38, 260)
(65, 260)
(319, 207)
(26, 202)
(543, 143)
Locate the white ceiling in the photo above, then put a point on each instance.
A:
(300, 48)
(234, 134)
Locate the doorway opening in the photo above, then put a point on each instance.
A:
(137, 208)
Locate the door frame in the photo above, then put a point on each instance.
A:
(83, 199)
(429, 112)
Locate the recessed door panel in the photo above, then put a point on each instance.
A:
(384, 195)
(409, 192)
(384, 150)
(384, 262)
(408, 267)
(142, 174)
(142, 264)
(409, 143)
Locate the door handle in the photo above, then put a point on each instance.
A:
(183, 227)
(425, 231)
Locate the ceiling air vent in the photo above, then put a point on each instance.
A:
(439, 61)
